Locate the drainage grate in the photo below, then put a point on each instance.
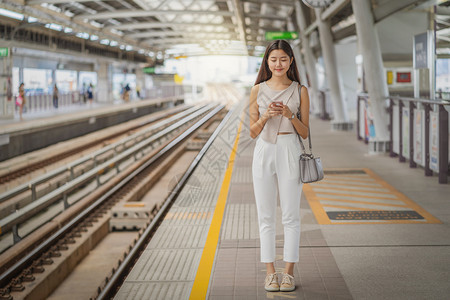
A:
(331, 172)
(375, 215)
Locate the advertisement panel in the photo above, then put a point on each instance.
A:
(434, 141)
(405, 133)
(419, 138)
(395, 128)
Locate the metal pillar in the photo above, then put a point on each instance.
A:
(104, 83)
(373, 65)
(300, 65)
(341, 120)
(6, 89)
(309, 59)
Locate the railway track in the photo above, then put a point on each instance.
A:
(18, 171)
(31, 191)
(33, 266)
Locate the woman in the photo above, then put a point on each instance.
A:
(55, 96)
(20, 101)
(274, 104)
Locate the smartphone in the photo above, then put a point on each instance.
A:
(277, 103)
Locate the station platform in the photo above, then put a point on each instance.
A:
(41, 129)
(372, 229)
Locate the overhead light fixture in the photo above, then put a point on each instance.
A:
(11, 14)
(54, 26)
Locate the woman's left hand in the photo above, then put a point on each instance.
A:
(287, 113)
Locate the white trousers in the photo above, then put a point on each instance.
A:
(275, 168)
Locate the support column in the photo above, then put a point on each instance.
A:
(140, 81)
(373, 65)
(301, 66)
(7, 100)
(309, 59)
(341, 120)
(296, 48)
(104, 82)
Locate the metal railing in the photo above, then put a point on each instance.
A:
(164, 91)
(418, 131)
(42, 102)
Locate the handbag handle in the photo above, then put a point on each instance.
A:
(309, 131)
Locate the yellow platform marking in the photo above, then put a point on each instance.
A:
(363, 202)
(201, 282)
(389, 196)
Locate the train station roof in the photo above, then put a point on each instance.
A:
(199, 27)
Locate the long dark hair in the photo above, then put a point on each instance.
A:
(265, 73)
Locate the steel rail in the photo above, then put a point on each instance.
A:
(17, 268)
(70, 167)
(7, 224)
(109, 289)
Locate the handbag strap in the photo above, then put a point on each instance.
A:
(309, 131)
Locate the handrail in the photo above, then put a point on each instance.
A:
(440, 132)
(28, 211)
(409, 99)
(69, 167)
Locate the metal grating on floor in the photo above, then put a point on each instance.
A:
(329, 172)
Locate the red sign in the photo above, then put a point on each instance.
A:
(403, 76)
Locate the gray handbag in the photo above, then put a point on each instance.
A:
(311, 169)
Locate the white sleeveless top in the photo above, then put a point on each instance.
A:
(290, 97)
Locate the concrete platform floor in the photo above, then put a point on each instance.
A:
(392, 261)
(359, 261)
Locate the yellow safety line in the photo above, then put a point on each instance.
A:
(316, 207)
(360, 202)
(327, 182)
(312, 191)
(201, 282)
(374, 191)
(405, 199)
(360, 177)
(357, 195)
(349, 207)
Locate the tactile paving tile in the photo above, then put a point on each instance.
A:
(167, 268)
(154, 290)
(179, 236)
(166, 265)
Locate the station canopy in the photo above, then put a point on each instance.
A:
(175, 27)
(178, 28)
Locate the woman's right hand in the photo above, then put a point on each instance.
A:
(272, 111)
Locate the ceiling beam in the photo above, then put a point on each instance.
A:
(270, 17)
(239, 15)
(271, 2)
(178, 33)
(141, 13)
(151, 25)
(333, 9)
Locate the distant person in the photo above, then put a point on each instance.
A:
(20, 100)
(83, 93)
(138, 91)
(55, 96)
(126, 93)
(90, 93)
(275, 101)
